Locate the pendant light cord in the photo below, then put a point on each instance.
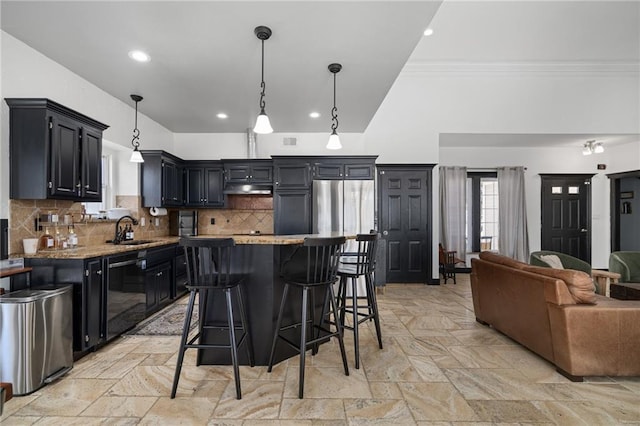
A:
(334, 110)
(262, 84)
(136, 133)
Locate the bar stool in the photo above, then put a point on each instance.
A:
(209, 269)
(354, 265)
(313, 266)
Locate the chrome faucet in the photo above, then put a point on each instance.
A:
(119, 235)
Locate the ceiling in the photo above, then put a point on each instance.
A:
(205, 58)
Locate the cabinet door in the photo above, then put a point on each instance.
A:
(65, 151)
(358, 171)
(328, 171)
(261, 174)
(91, 168)
(292, 175)
(93, 299)
(292, 212)
(194, 181)
(213, 185)
(238, 173)
(171, 183)
(163, 282)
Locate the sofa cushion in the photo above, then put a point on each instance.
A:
(552, 260)
(579, 283)
(502, 260)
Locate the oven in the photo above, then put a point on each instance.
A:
(126, 296)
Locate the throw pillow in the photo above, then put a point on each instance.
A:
(552, 260)
(579, 283)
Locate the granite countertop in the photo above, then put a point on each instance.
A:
(106, 249)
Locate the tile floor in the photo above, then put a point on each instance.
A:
(438, 367)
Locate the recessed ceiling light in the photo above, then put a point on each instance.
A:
(139, 55)
(428, 32)
(314, 114)
(222, 115)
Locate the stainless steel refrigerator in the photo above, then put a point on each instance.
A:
(344, 206)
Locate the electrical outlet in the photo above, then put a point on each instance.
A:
(213, 220)
(142, 221)
(157, 221)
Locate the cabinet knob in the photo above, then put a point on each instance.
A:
(99, 272)
(78, 185)
(86, 186)
(159, 274)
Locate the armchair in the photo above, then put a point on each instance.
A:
(627, 264)
(601, 279)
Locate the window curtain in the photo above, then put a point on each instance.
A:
(514, 237)
(453, 215)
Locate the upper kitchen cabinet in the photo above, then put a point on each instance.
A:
(248, 171)
(291, 173)
(161, 179)
(344, 168)
(204, 182)
(55, 152)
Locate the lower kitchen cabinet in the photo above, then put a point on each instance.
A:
(158, 286)
(89, 294)
(180, 268)
(159, 277)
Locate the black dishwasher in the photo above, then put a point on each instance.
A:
(126, 293)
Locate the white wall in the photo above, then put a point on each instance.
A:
(29, 74)
(429, 99)
(553, 160)
(211, 146)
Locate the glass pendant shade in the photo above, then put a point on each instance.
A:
(263, 126)
(334, 141)
(136, 157)
(598, 148)
(586, 150)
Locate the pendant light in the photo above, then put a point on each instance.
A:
(334, 139)
(262, 123)
(136, 157)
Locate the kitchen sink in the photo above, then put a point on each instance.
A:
(135, 242)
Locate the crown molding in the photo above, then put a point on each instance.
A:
(569, 69)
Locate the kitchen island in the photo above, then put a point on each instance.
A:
(259, 258)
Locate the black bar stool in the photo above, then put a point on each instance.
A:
(354, 265)
(209, 269)
(313, 266)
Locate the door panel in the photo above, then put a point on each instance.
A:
(566, 218)
(405, 222)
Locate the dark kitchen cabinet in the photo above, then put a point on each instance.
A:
(93, 314)
(158, 286)
(292, 211)
(291, 173)
(161, 179)
(248, 172)
(159, 277)
(344, 168)
(55, 152)
(204, 183)
(89, 294)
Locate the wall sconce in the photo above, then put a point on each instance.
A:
(591, 147)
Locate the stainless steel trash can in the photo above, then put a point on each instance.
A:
(36, 337)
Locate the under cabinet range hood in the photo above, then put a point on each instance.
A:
(247, 189)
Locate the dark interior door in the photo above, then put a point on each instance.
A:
(405, 222)
(566, 218)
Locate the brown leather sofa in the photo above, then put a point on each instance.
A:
(556, 314)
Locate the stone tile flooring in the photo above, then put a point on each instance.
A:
(438, 367)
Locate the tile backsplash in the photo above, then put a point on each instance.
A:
(242, 215)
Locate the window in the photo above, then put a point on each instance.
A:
(482, 211)
(106, 203)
